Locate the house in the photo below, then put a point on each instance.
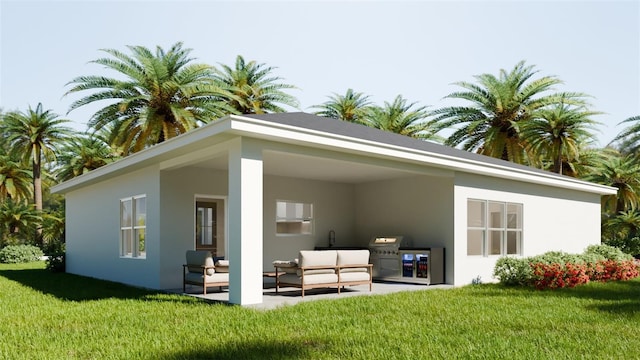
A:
(256, 188)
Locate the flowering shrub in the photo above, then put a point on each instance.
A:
(552, 276)
(555, 269)
(611, 270)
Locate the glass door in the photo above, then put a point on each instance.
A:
(210, 226)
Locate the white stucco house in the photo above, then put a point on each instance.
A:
(256, 188)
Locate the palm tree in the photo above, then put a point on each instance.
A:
(623, 225)
(53, 227)
(253, 89)
(558, 132)
(499, 106)
(587, 159)
(351, 107)
(630, 136)
(16, 219)
(82, 154)
(36, 135)
(15, 180)
(623, 173)
(622, 230)
(399, 117)
(162, 95)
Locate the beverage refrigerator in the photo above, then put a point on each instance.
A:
(422, 265)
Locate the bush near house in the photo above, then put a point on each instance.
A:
(56, 261)
(558, 269)
(14, 254)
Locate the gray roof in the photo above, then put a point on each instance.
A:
(349, 129)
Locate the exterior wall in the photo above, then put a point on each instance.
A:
(553, 219)
(93, 230)
(419, 207)
(177, 215)
(333, 209)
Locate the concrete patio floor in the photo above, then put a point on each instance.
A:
(291, 296)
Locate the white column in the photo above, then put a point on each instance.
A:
(245, 223)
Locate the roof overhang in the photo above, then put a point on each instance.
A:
(233, 126)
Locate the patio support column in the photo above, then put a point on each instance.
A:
(245, 223)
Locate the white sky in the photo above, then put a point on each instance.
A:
(381, 48)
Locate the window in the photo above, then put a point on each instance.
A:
(294, 218)
(494, 228)
(133, 225)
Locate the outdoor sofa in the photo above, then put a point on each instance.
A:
(325, 268)
(200, 270)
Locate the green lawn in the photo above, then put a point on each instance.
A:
(60, 316)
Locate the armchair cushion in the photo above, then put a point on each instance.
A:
(213, 278)
(196, 259)
(222, 266)
(222, 263)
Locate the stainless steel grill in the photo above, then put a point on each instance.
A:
(394, 259)
(385, 255)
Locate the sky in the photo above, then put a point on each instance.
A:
(417, 49)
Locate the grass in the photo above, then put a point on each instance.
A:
(45, 315)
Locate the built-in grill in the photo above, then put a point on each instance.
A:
(385, 255)
(394, 260)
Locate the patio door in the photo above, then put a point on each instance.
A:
(210, 226)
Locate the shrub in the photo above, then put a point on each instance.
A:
(609, 252)
(553, 276)
(555, 257)
(513, 271)
(56, 261)
(556, 269)
(629, 244)
(14, 254)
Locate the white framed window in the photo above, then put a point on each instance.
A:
(133, 226)
(494, 228)
(294, 218)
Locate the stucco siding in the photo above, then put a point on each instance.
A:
(179, 189)
(93, 230)
(418, 207)
(333, 209)
(553, 219)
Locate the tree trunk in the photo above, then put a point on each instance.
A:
(557, 164)
(37, 191)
